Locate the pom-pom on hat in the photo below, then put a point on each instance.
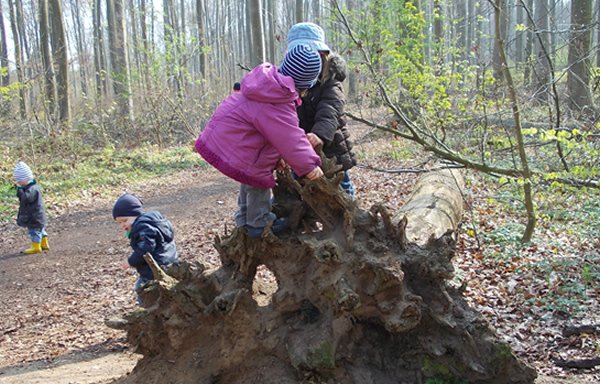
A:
(307, 33)
(22, 172)
(128, 205)
(303, 64)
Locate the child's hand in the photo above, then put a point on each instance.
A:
(314, 140)
(282, 165)
(125, 266)
(314, 174)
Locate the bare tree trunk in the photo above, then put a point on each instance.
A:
(352, 80)
(119, 58)
(82, 56)
(578, 76)
(460, 9)
(299, 11)
(271, 34)
(99, 55)
(597, 13)
(519, 37)
(4, 76)
(542, 44)
(59, 52)
(438, 31)
(18, 58)
(22, 31)
(527, 190)
(503, 20)
(202, 41)
(528, 4)
(49, 82)
(258, 41)
(136, 48)
(145, 47)
(247, 28)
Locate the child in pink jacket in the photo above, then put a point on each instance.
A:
(252, 130)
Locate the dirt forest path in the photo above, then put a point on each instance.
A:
(53, 304)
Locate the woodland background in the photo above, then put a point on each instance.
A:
(99, 92)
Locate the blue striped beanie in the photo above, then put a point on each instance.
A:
(303, 64)
(22, 172)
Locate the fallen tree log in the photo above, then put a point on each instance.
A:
(357, 301)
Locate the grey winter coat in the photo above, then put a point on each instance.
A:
(31, 207)
(322, 113)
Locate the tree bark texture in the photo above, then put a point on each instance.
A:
(4, 77)
(578, 76)
(49, 83)
(59, 52)
(118, 57)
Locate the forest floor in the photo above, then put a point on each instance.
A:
(53, 305)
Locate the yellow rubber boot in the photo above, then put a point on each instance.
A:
(45, 245)
(35, 248)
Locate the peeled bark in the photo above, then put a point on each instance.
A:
(356, 302)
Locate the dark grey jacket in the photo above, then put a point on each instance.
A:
(322, 113)
(151, 233)
(31, 207)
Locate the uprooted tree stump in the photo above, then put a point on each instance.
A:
(362, 297)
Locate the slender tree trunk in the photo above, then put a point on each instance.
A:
(542, 44)
(145, 45)
(578, 76)
(503, 20)
(519, 37)
(528, 4)
(59, 52)
(22, 31)
(528, 195)
(438, 32)
(471, 23)
(597, 13)
(136, 48)
(271, 35)
(4, 76)
(352, 80)
(461, 28)
(118, 58)
(202, 41)
(82, 56)
(258, 41)
(18, 58)
(49, 83)
(299, 11)
(99, 54)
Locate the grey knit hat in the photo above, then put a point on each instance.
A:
(303, 64)
(22, 172)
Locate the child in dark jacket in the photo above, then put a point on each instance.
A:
(321, 113)
(32, 214)
(148, 232)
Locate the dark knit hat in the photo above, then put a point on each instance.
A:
(128, 205)
(303, 64)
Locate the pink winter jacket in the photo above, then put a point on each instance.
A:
(252, 129)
